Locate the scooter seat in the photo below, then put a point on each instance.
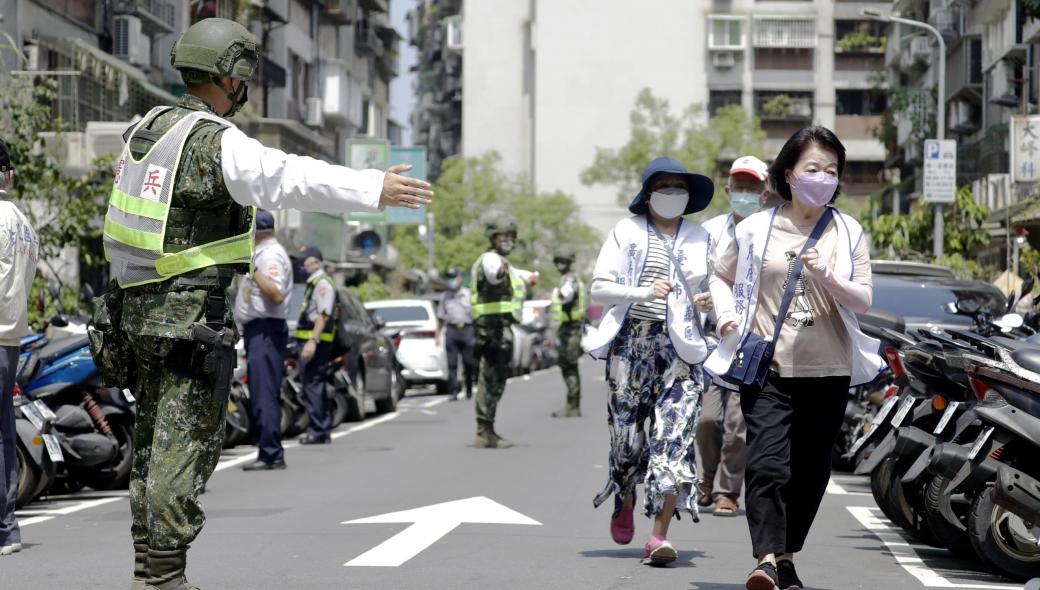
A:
(60, 348)
(1028, 358)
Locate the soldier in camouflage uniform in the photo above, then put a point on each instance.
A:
(568, 308)
(498, 297)
(178, 227)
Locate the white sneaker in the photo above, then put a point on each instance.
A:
(9, 549)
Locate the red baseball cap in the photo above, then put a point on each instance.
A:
(750, 165)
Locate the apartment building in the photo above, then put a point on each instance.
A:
(800, 62)
(435, 29)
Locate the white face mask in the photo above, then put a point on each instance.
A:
(669, 202)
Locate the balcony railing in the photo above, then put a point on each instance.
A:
(784, 31)
(157, 16)
(949, 21)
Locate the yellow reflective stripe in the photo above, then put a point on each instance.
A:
(324, 336)
(133, 237)
(237, 249)
(495, 307)
(128, 203)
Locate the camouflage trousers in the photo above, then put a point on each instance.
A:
(569, 336)
(494, 348)
(177, 441)
(648, 382)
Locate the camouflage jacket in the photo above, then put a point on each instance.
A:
(202, 210)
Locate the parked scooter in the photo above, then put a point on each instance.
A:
(37, 451)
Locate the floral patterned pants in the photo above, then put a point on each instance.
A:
(649, 382)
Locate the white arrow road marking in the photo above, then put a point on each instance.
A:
(429, 525)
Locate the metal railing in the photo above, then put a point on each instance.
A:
(784, 31)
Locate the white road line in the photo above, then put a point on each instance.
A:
(907, 557)
(435, 402)
(834, 488)
(248, 455)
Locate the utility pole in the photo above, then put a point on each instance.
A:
(430, 268)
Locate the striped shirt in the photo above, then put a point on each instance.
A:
(658, 267)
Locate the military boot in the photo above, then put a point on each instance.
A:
(485, 439)
(140, 571)
(166, 570)
(500, 443)
(568, 411)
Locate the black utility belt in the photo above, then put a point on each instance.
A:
(459, 325)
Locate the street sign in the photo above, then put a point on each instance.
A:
(940, 170)
(363, 154)
(416, 156)
(428, 525)
(1025, 148)
(324, 231)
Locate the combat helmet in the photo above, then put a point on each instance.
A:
(564, 252)
(216, 47)
(499, 226)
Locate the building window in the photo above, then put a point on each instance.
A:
(859, 36)
(366, 118)
(783, 106)
(784, 31)
(81, 11)
(725, 31)
(783, 59)
(721, 98)
(859, 102)
(975, 61)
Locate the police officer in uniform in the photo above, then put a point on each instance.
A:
(455, 311)
(261, 307)
(498, 297)
(568, 308)
(178, 227)
(315, 331)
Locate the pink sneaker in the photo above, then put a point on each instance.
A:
(660, 551)
(622, 523)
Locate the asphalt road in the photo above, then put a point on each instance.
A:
(526, 512)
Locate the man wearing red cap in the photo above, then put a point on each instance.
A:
(721, 433)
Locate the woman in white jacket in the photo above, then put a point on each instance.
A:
(651, 339)
(819, 352)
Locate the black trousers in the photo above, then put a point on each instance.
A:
(459, 341)
(791, 426)
(265, 340)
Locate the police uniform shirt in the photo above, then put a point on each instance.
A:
(271, 260)
(322, 298)
(19, 252)
(456, 307)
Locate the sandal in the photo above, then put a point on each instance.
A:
(725, 506)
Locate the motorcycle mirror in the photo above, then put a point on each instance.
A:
(1010, 321)
(1011, 302)
(968, 306)
(59, 321)
(950, 307)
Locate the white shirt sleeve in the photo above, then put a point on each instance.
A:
(568, 290)
(324, 297)
(492, 264)
(611, 293)
(268, 178)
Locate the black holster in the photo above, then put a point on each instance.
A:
(215, 357)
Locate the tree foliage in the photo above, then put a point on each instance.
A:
(373, 289)
(695, 140)
(473, 191)
(909, 237)
(65, 210)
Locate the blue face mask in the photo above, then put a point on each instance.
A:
(454, 283)
(744, 203)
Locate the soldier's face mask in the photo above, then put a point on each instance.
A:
(563, 267)
(505, 246)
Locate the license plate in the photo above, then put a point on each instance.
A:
(129, 396)
(45, 412)
(53, 448)
(904, 409)
(885, 411)
(981, 442)
(946, 417)
(32, 414)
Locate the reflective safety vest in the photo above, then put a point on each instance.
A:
(139, 208)
(578, 305)
(304, 325)
(510, 300)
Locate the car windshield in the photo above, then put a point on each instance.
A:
(925, 300)
(404, 313)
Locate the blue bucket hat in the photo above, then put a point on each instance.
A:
(701, 188)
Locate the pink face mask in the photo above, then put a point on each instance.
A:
(815, 188)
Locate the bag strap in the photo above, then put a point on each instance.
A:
(796, 271)
(682, 276)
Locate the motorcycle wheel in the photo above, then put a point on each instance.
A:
(389, 403)
(909, 510)
(880, 482)
(288, 418)
(337, 406)
(116, 476)
(356, 399)
(28, 478)
(1003, 539)
(953, 538)
(236, 422)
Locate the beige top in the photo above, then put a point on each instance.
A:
(813, 341)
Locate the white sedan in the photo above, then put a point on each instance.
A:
(412, 323)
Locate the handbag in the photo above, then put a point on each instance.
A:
(755, 354)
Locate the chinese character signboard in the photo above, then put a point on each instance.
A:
(416, 156)
(368, 153)
(940, 170)
(1025, 148)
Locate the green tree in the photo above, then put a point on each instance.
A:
(473, 191)
(909, 237)
(698, 142)
(64, 210)
(373, 289)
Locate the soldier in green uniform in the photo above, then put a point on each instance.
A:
(178, 227)
(568, 308)
(498, 298)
